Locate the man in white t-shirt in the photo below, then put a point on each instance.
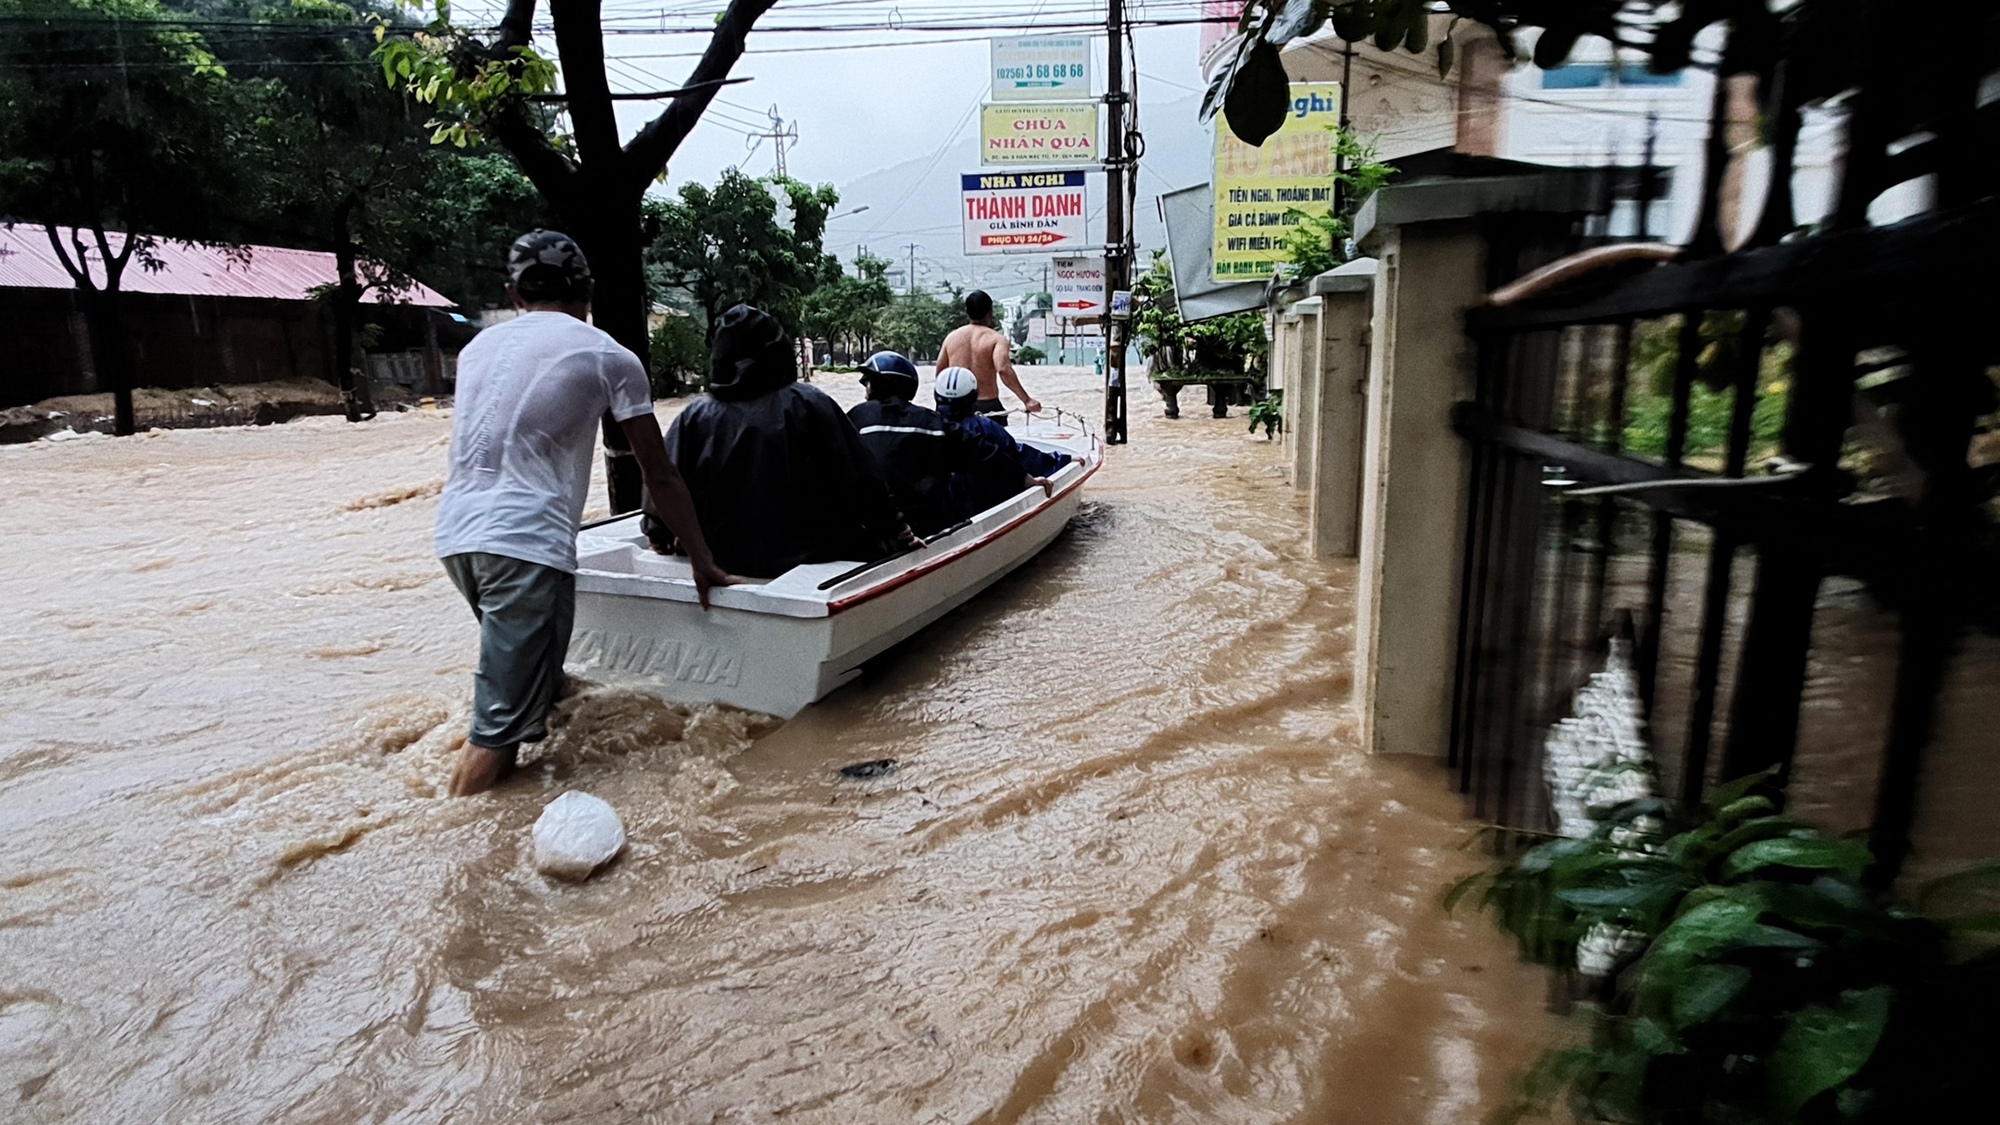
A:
(530, 395)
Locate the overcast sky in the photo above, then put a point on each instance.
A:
(879, 93)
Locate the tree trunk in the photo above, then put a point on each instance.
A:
(104, 313)
(610, 238)
(346, 303)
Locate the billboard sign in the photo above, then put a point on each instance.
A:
(1048, 133)
(1077, 286)
(1022, 211)
(1261, 193)
(1041, 68)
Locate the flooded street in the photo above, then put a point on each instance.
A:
(1131, 866)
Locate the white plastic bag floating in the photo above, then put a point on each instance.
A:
(577, 834)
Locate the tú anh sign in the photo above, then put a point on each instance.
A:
(1041, 133)
(1022, 211)
(1040, 68)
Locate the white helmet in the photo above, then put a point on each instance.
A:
(957, 382)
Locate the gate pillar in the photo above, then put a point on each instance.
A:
(1330, 434)
(1442, 245)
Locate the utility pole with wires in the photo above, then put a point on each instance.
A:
(1117, 232)
(910, 279)
(781, 134)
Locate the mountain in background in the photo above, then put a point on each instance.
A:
(918, 201)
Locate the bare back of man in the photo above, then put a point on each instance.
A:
(987, 353)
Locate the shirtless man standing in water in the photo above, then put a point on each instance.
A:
(987, 352)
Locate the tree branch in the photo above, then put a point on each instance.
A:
(516, 27)
(580, 46)
(552, 173)
(646, 157)
(80, 276)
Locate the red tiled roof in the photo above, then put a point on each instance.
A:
(193, 270)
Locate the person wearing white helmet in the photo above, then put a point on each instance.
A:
(985, 351)
(918, 452)
(956, 390)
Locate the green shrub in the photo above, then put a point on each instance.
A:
(680, 357)
(1751, 975)
(1029, 353)
(1268, 412)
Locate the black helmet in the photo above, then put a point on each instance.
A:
(892, 371)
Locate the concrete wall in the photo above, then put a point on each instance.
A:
(1331, 442)
(1432, 243)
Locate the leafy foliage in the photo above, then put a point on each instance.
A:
(452, 70)
(113, 118)
(1319, 242)
(917, 323)
(1763, 981)
(1711, 401)
(1028, 353)
(848, 307)
(1268, 412)
(1221, 345)
(679, 356)
(726, 244)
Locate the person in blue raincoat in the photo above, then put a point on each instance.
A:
(956, 391)
(918, 452)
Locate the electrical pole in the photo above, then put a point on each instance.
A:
(779, 136)
(910, 279)
(1117, 241)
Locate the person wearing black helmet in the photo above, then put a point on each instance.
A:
(779, 477)
(530, 396)
(916, 451)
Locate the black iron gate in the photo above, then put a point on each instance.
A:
(1686, 451)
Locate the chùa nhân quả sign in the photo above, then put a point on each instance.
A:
(1262, 193)
(1022, 211)
(1043, 134)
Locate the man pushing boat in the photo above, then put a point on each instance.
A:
(987, 353)
(530, 394)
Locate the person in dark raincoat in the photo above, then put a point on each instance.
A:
(956, 391)
(779, 476)
(917, 451)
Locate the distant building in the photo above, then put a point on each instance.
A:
(210, 315)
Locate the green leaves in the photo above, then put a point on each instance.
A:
(1769, 976)
(1826, 1044)
(1704, 990)
(1807, 854)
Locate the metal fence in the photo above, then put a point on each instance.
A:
(1688, 451)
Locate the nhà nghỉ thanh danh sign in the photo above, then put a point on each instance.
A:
(1261, 193)
(1040, 68)
(1041, 133)
(1004, 211)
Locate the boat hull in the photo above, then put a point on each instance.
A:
(777, 647)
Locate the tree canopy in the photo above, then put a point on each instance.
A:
(729, 244)
(116, 124)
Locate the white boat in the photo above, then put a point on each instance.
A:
(777, 646)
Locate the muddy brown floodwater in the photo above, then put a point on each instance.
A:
(1131, 866)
